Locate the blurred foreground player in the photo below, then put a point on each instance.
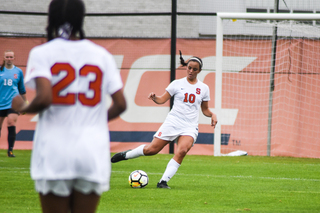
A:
(70, 161)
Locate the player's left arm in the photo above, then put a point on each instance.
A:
(207, 112)
(118, 106)
(21, 87)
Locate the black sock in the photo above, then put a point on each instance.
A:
(11, 137)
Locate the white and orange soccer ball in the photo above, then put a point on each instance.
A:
(138, 179)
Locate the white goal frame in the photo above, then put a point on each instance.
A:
(219, 58)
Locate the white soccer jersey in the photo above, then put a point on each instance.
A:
(72, 136)
(184, 115)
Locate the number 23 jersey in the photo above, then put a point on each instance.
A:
(72, 136)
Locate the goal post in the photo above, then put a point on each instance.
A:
(294, 29)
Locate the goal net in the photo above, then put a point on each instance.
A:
(277, 94)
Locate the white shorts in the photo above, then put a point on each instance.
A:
(168, 133)
(64, 188)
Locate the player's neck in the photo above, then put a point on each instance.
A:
(9, 67)
(73, 38)
(192, 81)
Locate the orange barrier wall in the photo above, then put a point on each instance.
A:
(249, 131)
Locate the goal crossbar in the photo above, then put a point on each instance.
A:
(270, 16)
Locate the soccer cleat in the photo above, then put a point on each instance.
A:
(163, 184)
(10, 154)
(119, 156)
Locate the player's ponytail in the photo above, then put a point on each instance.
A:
(49, 33)
(193, 58)
(2, 66)
(81, 34)
(182, 62)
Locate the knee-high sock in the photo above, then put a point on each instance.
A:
(137, 152)
(11, 137)
(171, 170)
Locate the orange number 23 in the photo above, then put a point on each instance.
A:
(70, 98)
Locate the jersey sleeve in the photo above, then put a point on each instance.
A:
(206, 96)
(36, 67)
(113, 78)
(172, 88)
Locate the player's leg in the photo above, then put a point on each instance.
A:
(3, 115)
(84, 203)
(86, 195)
(55, 195)
(52, 203)
(184, 145)
(153, 148)
(1, 122)
(11, 123)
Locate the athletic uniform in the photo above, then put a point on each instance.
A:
(183, 118)
(72, 137)
(11, 84)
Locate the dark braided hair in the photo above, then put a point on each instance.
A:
(65, 11)
(193, 58)
(2, 66)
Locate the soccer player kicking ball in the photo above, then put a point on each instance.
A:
(181, 124)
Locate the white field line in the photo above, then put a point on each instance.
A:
(12, 168)
(310, 164)
(233, 177)
(198, 175)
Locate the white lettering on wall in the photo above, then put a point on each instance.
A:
(152, 114)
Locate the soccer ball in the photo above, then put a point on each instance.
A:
(138, 179)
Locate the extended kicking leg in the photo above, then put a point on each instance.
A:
(151, 149)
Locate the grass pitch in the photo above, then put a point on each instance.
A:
(202, 184)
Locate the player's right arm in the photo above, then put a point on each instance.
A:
(159, 99)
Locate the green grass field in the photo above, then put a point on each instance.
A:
(202, 184)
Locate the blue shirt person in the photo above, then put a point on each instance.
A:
(11, 84)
